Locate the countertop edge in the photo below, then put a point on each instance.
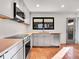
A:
(30, 33)
(6, 50)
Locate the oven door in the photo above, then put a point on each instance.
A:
(26, 48)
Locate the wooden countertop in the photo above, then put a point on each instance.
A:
(45, 32)
(54, 33)
(7, 44)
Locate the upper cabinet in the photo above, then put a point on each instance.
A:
(6, 8)
(27, 16)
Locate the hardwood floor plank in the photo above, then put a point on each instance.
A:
(43, 53)
(48, 53)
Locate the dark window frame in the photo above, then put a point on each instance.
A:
(43, 23)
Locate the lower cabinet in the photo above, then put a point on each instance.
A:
(18, 55)
(46, 40)
(1, 57)
(41, 40)
(15, 52)
(55, 40)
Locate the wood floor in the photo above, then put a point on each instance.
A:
(43, 53)
(48, 53)
(73, 53)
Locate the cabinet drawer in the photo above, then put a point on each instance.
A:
(13, 51)
(19, 54)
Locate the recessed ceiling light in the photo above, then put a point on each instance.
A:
(37, 5)
(62, 6)
(77, 9)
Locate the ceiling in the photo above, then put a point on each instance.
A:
(52, 5)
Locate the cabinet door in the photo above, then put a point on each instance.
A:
(1, 57)
(55, 40)
(35, 40)
(9, 54)
(46, 40)
(41, 40)
(18, 55)
(27, 16)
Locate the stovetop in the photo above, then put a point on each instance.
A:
(19, 36)
(24, 37)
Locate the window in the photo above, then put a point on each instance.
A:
(40, 23)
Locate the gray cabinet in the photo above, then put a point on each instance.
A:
(55, 40)
(46, 39)
(41, 40)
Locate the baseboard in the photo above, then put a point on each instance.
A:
(45, 46)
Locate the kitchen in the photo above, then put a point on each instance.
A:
(25, 26)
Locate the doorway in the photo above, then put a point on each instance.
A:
(70, 31)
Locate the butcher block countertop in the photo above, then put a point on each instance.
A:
(30, 33)
(7, 44)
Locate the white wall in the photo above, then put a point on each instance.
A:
(10, 28)
(59, 22)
